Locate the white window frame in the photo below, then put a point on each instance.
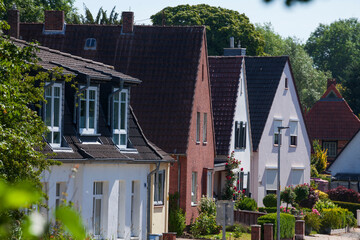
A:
(90, 44)
(87, 129)
(159, 178)
(209, 181)
(194, 187)
(51, 102)
(60, 189)
(117, 130)
(205, 128)
(277, 136)
(197, 127)
(98, 191)
(293, 132)
(330, 146)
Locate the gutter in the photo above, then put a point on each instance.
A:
(148, 198)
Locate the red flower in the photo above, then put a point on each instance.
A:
(242, 169)
(243, 190)
(226, 163)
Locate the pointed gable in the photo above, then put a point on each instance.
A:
(331, 118)
(263, 76)
(224, 77)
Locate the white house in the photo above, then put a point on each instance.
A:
(231, 118)
(115, 178)
(273, 102)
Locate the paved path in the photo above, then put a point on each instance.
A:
(354, 234)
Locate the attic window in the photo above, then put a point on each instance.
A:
(90, 44)
(331, 95)
(286, 83)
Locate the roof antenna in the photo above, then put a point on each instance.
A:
(129, 9)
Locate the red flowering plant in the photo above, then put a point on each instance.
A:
(230, 192)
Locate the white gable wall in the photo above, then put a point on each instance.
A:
(285, 107)
(80, 192)
(349, 159)
(242, 115)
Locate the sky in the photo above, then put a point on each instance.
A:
(299, 21)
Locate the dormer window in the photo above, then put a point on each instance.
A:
(88, 109)
(53, 97)
(90, 44)
(120, 105)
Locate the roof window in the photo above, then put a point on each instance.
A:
(90, 44)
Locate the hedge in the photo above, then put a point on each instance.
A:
(287, 224)
(267, 209)
(352, 207)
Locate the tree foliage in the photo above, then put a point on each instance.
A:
(351, 87)
(33, 10)
(310, 82)
(221, 24)
(101, 17)
(319, 157)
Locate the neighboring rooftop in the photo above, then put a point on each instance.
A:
(263, 75)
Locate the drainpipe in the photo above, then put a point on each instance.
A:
(77, 99)
(148, 198)
(109, 99)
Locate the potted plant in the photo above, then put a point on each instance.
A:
(312, 221)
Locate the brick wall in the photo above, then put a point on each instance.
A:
(127, 22)
(54, 20)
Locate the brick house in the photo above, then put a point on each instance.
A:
(331, 121)
(173, 103)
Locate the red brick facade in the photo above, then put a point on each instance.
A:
(54, 20)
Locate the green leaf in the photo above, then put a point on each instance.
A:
(71, 221)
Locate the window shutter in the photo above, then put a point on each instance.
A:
(244, 137)
(241, 137)
(236, 134)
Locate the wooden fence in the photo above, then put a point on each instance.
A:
(247, 217)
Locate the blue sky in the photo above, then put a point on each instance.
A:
(299, 20)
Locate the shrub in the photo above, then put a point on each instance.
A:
(302, 192)
(322, 195)
(288, 196)
(230, 190)
(176, 216)
(333, 218)
(310, 201)
(205, 224)
(352, 207)
(270, 200)
(207, 205)
(326, 204)
(350, 220)
(246, 204)
(287, 224)
(344, 194)
(312, 219)
(267, 209)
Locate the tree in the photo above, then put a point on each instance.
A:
(310, 82)
(221, 24)
(318, 159)
(33, 10)
(351, 91)
(101, 17)
(336, 46)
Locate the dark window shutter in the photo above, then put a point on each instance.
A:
(244, 137)
(241, 137)
(236, 134)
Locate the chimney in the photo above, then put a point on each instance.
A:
(231, 42)
(127, 22)
(232, 51)
(54, 20)
(331, 81)
(14, 22)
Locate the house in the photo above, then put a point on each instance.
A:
(331, 121)
(113, 175)
(173, 103)
(274, 102)
(231, 119)
(345, 169)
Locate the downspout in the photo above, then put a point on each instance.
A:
(179, 178)
(77, 98)
(148, 198)
(109, 99)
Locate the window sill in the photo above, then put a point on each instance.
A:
(293, 146)
(158, 205)
(205, 143)
(90, 134)
(197, 143)
(194, 204)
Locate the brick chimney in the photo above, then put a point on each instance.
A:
(331, 81)
(14, 22)
(54, 20)
(127, 22)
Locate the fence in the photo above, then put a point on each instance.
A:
(247, 217)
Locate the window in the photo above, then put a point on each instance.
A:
(88, 109)
(53, 96)
(297, 176)
(90, 44)
(60, 193)
(209, 184)
(205, 128)
(197, 127)
(286, 83)
(293, 133)
(331, 148)
(240, 135)
(277, 137)
(159, 187)
(120, 105)
(194, 188)
(97, 205)
(271, 181)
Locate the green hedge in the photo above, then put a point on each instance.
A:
(287, 224)
(268, 209)
(352, 207)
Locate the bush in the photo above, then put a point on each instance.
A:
(326, 204)
(246, 204)
(352, 207)
(205, 224)
(288, 196)
(322, 195)
(176, 216)
(268, 209)
(270, 200)
(207, 205)
(344, 194)
(312, 219)
(302, 192)
(333, 218)
(310, 201)
(287, 224)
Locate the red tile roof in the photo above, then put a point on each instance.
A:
(331, 118)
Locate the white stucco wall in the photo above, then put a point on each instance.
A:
(285, 107)
(348, 160)
(117, 179)
(242, 115)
